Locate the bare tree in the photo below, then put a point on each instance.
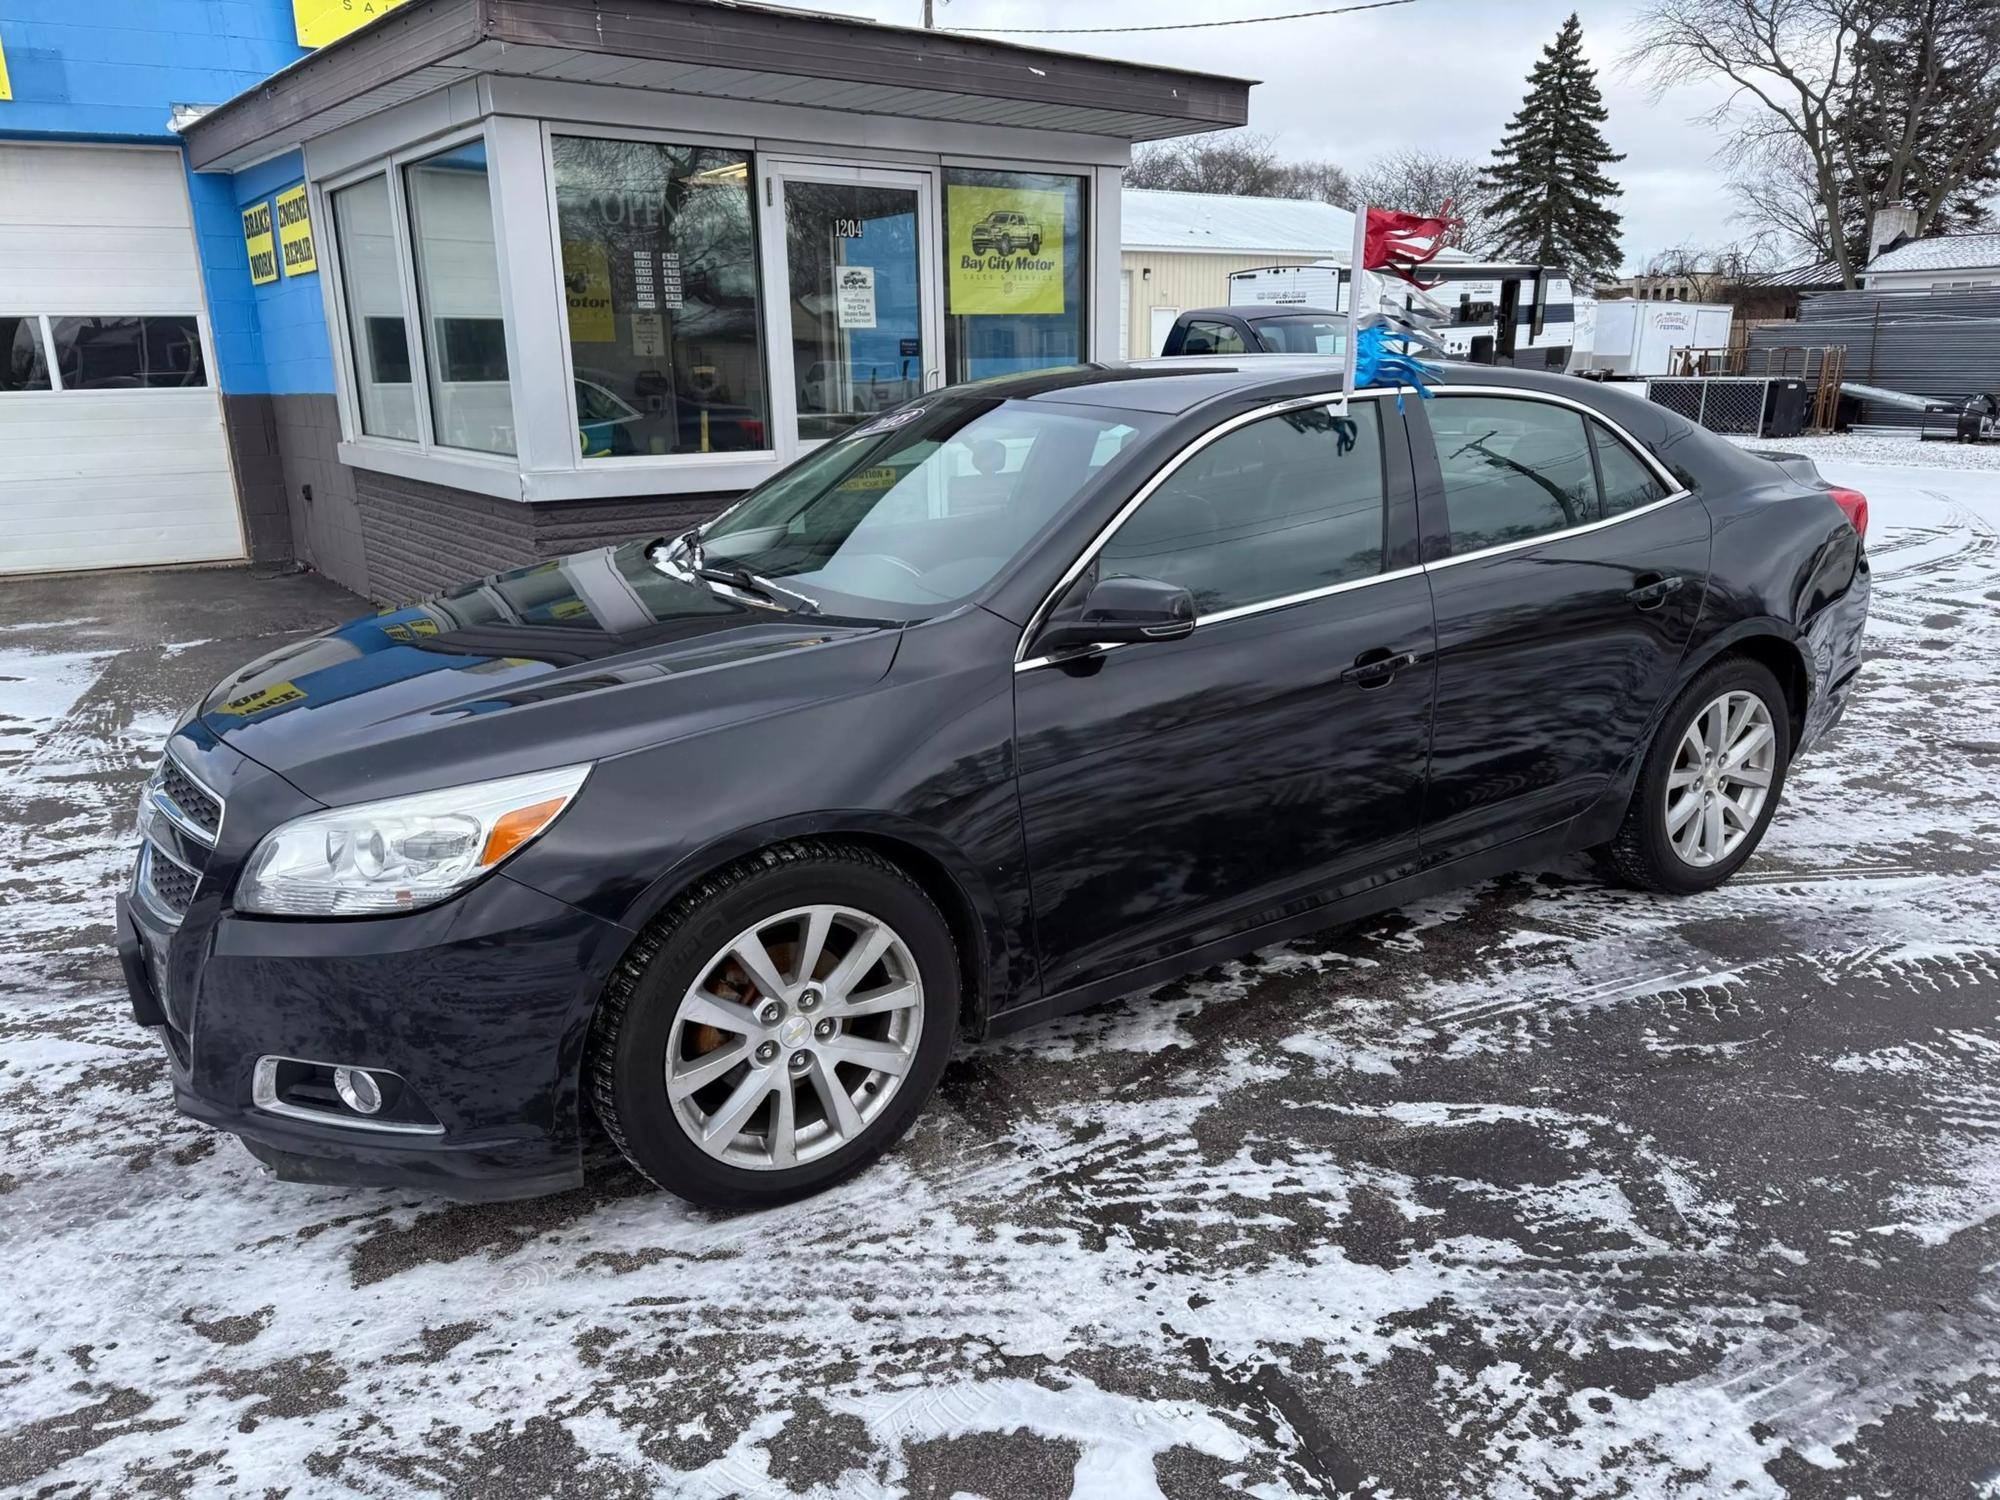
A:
(1811, 94)
(1735, 261)
(1321, 181)
(1792, 64)
(1420, 181)
(1235, 162)
(1776, 193)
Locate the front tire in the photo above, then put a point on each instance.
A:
(1710, 784)
(778, 1029)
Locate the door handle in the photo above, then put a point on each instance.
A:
(1653, 590)
(1378, 668)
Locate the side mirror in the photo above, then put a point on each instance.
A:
(1118, 612)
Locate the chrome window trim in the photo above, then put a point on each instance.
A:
(1516, 393)
(1241, 611)
(264, 1095)
(1544, 538)
(1160, 477)
(1676, 492)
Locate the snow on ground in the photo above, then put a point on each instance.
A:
(1901, 449)
(1537, 1188)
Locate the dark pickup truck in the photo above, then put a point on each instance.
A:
(1279, 329)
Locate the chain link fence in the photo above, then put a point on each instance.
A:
(1720, 405)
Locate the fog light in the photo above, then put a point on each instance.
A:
(358, 1090)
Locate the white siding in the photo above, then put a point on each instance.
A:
(107, 478)
(1184, 279)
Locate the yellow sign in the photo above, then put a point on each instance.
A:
(295, 233)
(277, 695)
(1006, 250)
(587, 284)
(880, 477)
(6, 88)
(257, 240)
(323, 21)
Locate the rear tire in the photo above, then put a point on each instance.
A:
(1698, 813)
(722, 1092)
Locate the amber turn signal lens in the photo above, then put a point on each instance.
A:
(515, 829)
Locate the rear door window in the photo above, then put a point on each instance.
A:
(1628, 483)
(1207, 337)
(1513, 469)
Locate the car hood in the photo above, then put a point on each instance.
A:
(570, 660)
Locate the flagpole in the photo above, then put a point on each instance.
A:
(1357, 278)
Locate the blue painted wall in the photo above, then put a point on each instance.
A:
(291, 318)
(113, 70)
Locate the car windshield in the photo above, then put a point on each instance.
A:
(919, 508)
(1303, 335)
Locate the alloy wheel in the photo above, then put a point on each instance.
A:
(1721, 778)
(794, 1037)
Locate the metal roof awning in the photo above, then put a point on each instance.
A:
(715, 49)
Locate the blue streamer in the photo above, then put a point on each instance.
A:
(1383, 356)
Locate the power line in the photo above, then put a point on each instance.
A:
(1297, 15)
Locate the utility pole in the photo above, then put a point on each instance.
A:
(930, 20)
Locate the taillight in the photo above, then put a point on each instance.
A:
(1854, 505)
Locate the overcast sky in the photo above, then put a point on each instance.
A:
(1447, 74)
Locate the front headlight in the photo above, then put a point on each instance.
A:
(402, 854)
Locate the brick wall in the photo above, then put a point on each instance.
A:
(326, 529)
(420, 538)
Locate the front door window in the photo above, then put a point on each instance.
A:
(854, 264)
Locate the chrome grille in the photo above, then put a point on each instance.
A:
(179, 821)
(198, 805)
(172, 886)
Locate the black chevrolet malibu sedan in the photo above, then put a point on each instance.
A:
(1021, 696)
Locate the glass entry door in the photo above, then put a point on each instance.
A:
(859, 264)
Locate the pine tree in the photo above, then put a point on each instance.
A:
(1551, 199)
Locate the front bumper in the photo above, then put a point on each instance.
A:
(480, 1005)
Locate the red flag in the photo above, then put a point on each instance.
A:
(1398, 242)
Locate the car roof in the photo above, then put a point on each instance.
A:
(1173, 386)
(1257, 312)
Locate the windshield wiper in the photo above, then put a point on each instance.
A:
(685, 552)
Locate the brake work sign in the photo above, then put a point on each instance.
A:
(258, 242)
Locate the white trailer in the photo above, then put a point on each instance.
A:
(1639, 338)
(1476, 295)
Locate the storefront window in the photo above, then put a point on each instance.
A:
(458, 291)
(1016, 265)
(660, 274)
(856, 282)
(372, 289)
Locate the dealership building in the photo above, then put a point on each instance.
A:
(413, 292)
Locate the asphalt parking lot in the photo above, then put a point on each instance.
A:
(1539, 1188)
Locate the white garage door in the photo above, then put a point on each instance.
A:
(112, 451)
